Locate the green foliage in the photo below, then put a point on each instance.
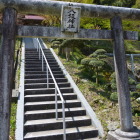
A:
(77, 56)
(138, 87)
(95, 23)
(114, 96)
(51, 20)
(85, 61)
(13, 121)
(131, 81)
(95, 64)
(135, 94)
(121, 3)
(113, 86)
(137, 4)
(100, 51)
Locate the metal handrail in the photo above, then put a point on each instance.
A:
(48, 69)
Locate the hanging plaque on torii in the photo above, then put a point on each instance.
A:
(70, 19)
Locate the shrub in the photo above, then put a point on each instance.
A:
(100, 51)
(85, 61)
(138, 87)
(131, 81)
(114, 96)
(135, 94)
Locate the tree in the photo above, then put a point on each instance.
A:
(96, 62)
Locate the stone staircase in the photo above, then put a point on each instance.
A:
(39, 104)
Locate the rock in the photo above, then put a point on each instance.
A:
(84, 80)
(113, 126)
(138, 100)
(101, 102)
(106, 110)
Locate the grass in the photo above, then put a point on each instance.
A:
(13, 121)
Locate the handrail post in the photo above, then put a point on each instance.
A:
(39, 50)
(64, 124)
(56, 105)
(42, 63)
(47, 76)
(37, 44)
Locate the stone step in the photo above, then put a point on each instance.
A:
(71, 133)
(50, 105)
(44, 85)
(35, 76)
(44, 80)
(53, 124)
(50, 113)
(49, 97)
(47, 91)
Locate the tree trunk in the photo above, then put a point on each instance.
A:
(67, 52)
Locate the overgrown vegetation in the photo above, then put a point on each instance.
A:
(93, 72)
(15, 85)
(13, 121)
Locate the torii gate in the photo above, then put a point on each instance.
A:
(10, 31)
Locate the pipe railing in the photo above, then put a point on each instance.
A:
(38, 46)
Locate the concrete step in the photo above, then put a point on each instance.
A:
(37, 53)
(50, 105)
(40, 69)
(72, 134)
(32, 63)
(35, 76)
(44, 80)
(39, 107)
(91, 139)
(47, 91)
(53, 124)
(37, 60)
(49, 97)
(47, 114)
(44, 85)
(37, 56)
(40, 64)
(42, 72)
